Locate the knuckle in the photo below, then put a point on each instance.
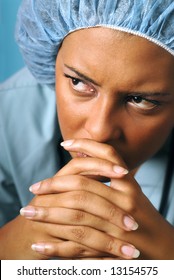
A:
(58, 249)
(112, 213)
(81, 181)
(110, 245)
(110, 151)
(79, 233)
(51, 181)
(43, 213)
(78, 216)
(80, 252)
(46, 183)
(81, 197)
(130, 205)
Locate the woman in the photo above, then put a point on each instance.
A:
(112, 66)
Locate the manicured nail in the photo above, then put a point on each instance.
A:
(130, 251)
(120, 170)
(40, 248)
(130, 223)
(35, 187)
(67, 143)
(28, 212)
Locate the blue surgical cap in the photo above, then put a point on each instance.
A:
(43, 24)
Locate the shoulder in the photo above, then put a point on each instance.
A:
(28, 131)
(22, 78)
(22, 81)
(21, 93)
(27, 115)
(24, 103)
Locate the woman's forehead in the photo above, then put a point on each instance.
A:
(107, 37)
(111, 49)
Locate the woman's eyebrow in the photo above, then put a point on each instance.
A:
(145, 94)
(151, 94)
(81, 75)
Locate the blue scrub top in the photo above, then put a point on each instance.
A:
(30, 147)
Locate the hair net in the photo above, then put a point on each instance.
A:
(43, 24)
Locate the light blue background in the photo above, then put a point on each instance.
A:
(10, 57)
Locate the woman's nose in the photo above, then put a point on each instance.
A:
(103, 123)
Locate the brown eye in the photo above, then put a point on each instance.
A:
(75, 82)
(137, 99)
(80, 85)
(142, 103)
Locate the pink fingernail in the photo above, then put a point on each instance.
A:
(67, 143)
(28, 212)
(130, 223)
(120, 170)
(35, 187)
(130, 251)
(40, 248)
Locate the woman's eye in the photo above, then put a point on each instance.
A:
(142, 103)
(80, 86)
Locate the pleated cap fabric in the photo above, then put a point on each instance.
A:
(43, 24)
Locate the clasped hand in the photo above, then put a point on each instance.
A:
(74, 215)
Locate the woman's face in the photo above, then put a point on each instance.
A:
(115, 88)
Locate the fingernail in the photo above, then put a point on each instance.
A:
(35, 187)
(130, 223)
(67, 143)
(120, 170)
(38, 247)
(130, 251)
(28, 212)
